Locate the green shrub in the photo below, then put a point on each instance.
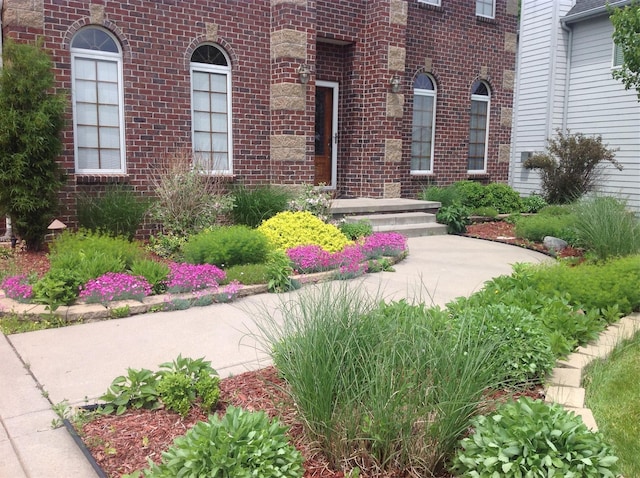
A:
(57, 287)
(533, 203)
(485, 212)
(314, 199)
(606, 228)
(393, 385)
(252, 206)
(247, 274)
(227, 246)
(167, 245)
(445, 195)
(242, 444)
(456, 217)
(571, 166)
(117, 212)
(137, 389)
(470, 193)
(501, 197)
(531, 438)
(535, 228)
(154, 272)
(279, 271)
(289, 229)
(356, 230)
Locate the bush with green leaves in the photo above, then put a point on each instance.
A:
(571, 166)
(314, 199)
(168, 245)
(241, 444)
(251, 206)
(59, 286)
(489, 212)
(289, 229)
(31, 121)
(119, 211)
(226, 246)
(279, 271)
(456, 217)
(137, 389)
(156, 273)
(356, 230)
(393, 385)
(501, 197)
(606, 228)
(531, 438)
(533, 203)
(470, 193)
(445, 195)
(536, 227)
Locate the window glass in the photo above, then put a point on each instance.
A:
(422, 134)
(485, 8)
(478, 127)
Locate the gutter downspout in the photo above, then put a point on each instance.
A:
(565, 105)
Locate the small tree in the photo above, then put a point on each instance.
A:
(571, 166)
(626, 36)
(31, 119)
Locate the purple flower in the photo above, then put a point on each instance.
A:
(115, 286)
(229, 292)
(309, 258)
(17, 288)
(381, 244)
(350, 262)
(185, 277)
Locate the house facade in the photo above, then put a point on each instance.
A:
(566, 58)
(371, 98)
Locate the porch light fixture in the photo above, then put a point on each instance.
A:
(394, 82)
(304, 72)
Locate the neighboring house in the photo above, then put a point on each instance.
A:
(372, 98)
(566, 56)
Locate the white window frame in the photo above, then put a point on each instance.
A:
(97, 56)
(433, 94)
(483, 3)
(221, 70)
(614, 56)
(484, 99)
(435, 3)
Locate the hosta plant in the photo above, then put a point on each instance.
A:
(529, 438)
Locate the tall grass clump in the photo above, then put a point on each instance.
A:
(227, 246)
(606, 228)
(119, 211)
(556, 221)
(386, 387)
(251, 206)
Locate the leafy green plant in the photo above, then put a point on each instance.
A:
(606, 228)
(531, 438)
(289, 229)
(485, 211)
(279, 272)
(535, 228)
(456, 217)
(445, 195)
(31, 120)
(57, 287)
(470, 193)
(227, 246)
(156, 273)
(571, 165)
(241, 444)
(137, 389)
(533, 203)
(120, 312)
(356, 230)
(314, 199)
(168, 245)
(380, 265)
(119, 211)
(251, 206)
(501, 197)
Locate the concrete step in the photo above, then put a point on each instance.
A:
(344, 207)
(397, 218)
(415, 230)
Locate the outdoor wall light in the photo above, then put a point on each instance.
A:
(395, 84)
(304, 72)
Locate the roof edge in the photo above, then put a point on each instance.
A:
(594, 12)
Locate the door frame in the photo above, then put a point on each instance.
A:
(334, 85)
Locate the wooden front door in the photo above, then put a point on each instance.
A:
(324, 136)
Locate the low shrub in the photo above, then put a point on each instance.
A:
(456, 218)
(279, 272)
(532, 438)
(535, 228)
(227, 246)
(533, 203)
(490, 212)
(289, 229)
(445, 195)
(356, 230)
(57, 287)
(240, 444)
(251, 206)
(314, 199)
(156, 273)
(501, 197)
(119, 211)
(606, 228)
(167, 245)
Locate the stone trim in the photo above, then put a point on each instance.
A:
(211, 32)
(511, 42)
(289, 43)
(395, 105)
(504, 153)
(508, 79)
(23, 13)
(397, 58)
(398, 12)
(392, 150)
(506, 117)
(288, 147)
(288, 96)
(96, 13)
(391, 190)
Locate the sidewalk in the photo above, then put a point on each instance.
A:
(77, 363)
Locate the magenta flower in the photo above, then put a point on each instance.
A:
(17, 288)
(309, 258)
(185, 277)
(350, 262)
(115, 286)
(229, 292)
(381, 244)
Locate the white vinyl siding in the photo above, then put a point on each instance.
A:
(98, 115)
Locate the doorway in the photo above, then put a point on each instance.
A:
(326, 134)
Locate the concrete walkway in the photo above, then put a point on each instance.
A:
(77, 363)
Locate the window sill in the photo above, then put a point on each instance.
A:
(118, 178)
(489, 20)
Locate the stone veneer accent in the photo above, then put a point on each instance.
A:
(508, 79)
(398, 12)
(391, 190)
(397, 58)
(504, 153)
(428, 64)
(395, 105)
(211, 32)
(484, 71)
(288, 147)
(288, 96)
(96, 13)
(287, 43)
(506, 117)
(512, 7)
(23, 13)
(392, 150)
(510, 42)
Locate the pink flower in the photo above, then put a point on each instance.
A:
(115, 286)
(17, 288)
(381, 244)
(309, 258)
(185, 277)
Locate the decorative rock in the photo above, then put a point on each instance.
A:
(554, 243)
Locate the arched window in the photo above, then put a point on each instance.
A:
(424, 118)
(211, 109)
(479, 129)
(98, 113)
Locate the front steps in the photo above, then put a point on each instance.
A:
(410, 217)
